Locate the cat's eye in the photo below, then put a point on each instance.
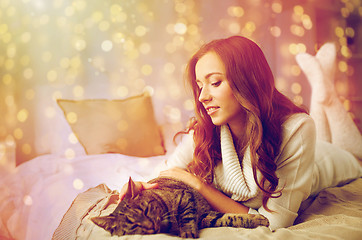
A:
(146, 211)
(134, 226)
(129, 219)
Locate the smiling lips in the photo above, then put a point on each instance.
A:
(211, 110)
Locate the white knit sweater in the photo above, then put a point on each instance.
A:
(304, 167)
(230, 177)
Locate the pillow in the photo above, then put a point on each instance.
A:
(126, 126)
(76, 222)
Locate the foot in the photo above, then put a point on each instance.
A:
(319, 71)
(326, 56)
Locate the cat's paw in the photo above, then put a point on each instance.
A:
(259, 220)
(243, 220)
(189, 234)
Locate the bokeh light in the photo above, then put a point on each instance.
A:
(28, 200)
(115, 49)
(78, 184)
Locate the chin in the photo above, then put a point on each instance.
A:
(217, 122)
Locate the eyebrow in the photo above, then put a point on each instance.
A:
(213, 73)
(209, 75)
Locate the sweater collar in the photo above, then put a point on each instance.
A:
(232, 178)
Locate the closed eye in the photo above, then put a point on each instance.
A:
(216, 84)
(129, 220)
(146, 210)
(134, 226)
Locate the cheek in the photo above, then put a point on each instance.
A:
(233, 107)
(225, 94)
(229, 100)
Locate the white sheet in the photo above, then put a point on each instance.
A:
(40, 192)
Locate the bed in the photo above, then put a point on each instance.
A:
(54, 195)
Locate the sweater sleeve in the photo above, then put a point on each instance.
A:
(183, 153)
(294, 169)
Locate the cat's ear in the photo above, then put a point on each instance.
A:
(132, 190)
(106, 222)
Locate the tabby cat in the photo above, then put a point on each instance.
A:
(173, 208)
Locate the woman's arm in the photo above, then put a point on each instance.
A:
(179, 160)
(219, 201)
(295, 171)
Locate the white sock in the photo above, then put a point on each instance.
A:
(326, 56)
(332, 120)
(319, 71)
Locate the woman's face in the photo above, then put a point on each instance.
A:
(215, 92)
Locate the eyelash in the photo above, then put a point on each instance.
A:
(216, 84)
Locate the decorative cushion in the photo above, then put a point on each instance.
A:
(76, 222)
(126, 126)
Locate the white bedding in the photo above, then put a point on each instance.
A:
(34, 199)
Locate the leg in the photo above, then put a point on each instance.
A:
(345, 133)
(187, 216)
(321, 121)
(217, 219)
(322, 90)
(332, 120)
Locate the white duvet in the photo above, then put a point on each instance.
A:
(34, 199)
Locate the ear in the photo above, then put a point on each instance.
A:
(132, 190)
(105, 222)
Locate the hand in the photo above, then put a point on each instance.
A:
(184, 176)
(219, 201)
(139, 185)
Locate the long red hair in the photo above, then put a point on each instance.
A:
(252, 83)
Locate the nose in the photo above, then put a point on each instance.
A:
(204, 95)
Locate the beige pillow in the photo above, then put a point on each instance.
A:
(125, 126)
(76, 223)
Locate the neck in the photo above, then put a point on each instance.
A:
(237, 130)
(238, 135)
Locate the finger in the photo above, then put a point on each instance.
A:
(139, 185)
(124, 189)
(149, 186)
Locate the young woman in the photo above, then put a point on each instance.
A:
(249, 149)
